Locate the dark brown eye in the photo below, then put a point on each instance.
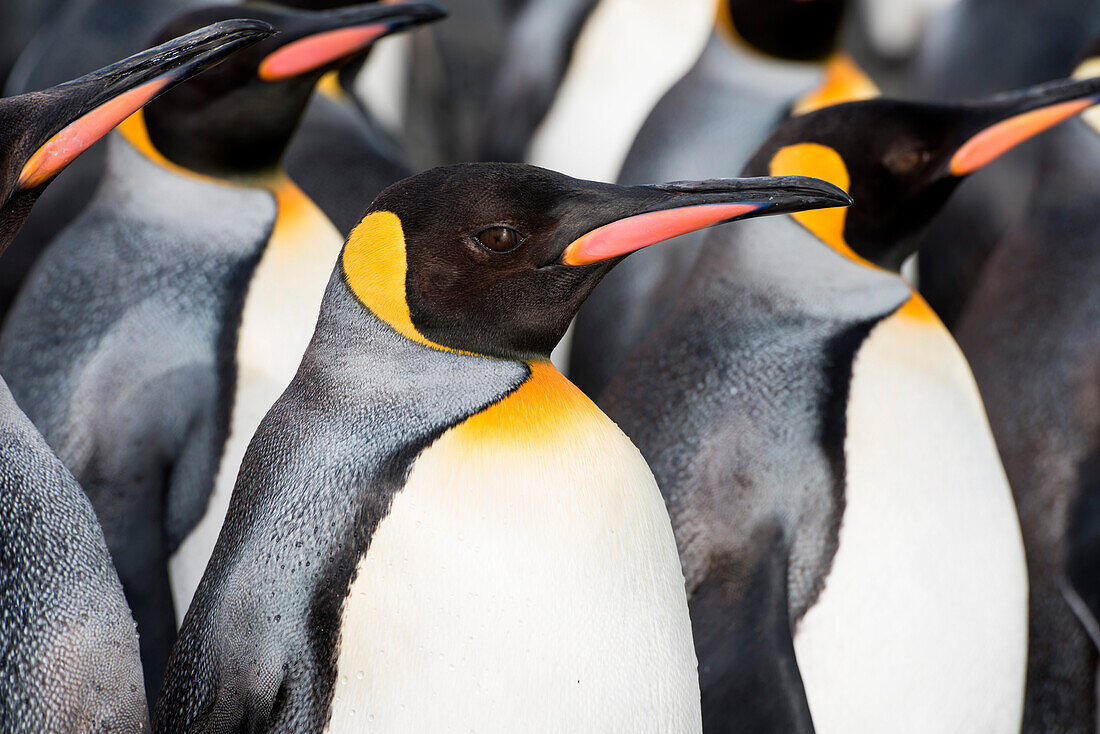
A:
(904, 159)
(499, 239)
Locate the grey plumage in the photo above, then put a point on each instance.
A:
(743, 425)
(1029, 333)
(113, 351)
(259, 642)
(68, 650)
(706, 126)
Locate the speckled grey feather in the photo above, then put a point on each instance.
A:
(737, 401)
(258, 647)
(112, 349)
(68, 649)
(706, 126)
(1030, 335)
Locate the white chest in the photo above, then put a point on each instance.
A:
(279, 317)
(614, 79)
(922, 625)
(531, 589)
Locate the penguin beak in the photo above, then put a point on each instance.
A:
(95, 103)
(680, 208)
(325, 38)
(1003, 122)
(91, 106)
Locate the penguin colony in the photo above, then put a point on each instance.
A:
(323, 408)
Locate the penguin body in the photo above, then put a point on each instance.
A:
(708, 124)
(433, 529)
(804, 491)
(68, 649)
(1029, 333)
(211, 322)
(625, 56)
(823, 448)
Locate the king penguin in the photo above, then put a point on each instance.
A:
(853, 556)
(341, 155)
(156, 333)
(975, 48)
(433, 529)
(760, 60)
(1029, 332)
(68, 649)
(80, 35)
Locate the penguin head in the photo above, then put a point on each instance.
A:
(796, 30)
(901, 160)
(496, 259)
(238, 122)
(42, 132)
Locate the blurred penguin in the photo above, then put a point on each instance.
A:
(761, 60)
(979, 47)
(1029, 330)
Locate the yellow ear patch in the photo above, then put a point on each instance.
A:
(819, 161)
(843, 82)
(375, 266)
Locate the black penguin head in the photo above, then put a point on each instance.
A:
(239, 121)
(42, 132)
(797, 30)
(496, 259)
(901, 160)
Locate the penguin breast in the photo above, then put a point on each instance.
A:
(526, 577)
(922, 624)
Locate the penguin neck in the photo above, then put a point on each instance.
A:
(779, 262)
(733, 58)
(135, 131)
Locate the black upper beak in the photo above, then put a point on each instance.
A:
(84, 110)
(671, 210)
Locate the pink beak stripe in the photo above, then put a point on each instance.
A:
(312, 52)
(643, 230)
(63, 148)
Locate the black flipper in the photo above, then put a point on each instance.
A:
(1083, 547)
(747, 668)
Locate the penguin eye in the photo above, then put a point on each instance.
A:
(905, 159)
(499, 239)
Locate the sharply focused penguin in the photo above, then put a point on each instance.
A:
(760, 59)
(852, 552)
(1029, 330)
(156, 333)
(433, 529)
(68, 651)
(978, 47)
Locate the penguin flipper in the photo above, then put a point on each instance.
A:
(1083, 549)
(747, 668)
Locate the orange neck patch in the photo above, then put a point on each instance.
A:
(546, 407)
(843, 81)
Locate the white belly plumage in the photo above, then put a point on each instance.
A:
(922, 625)
(279, 317)
(521, 586)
